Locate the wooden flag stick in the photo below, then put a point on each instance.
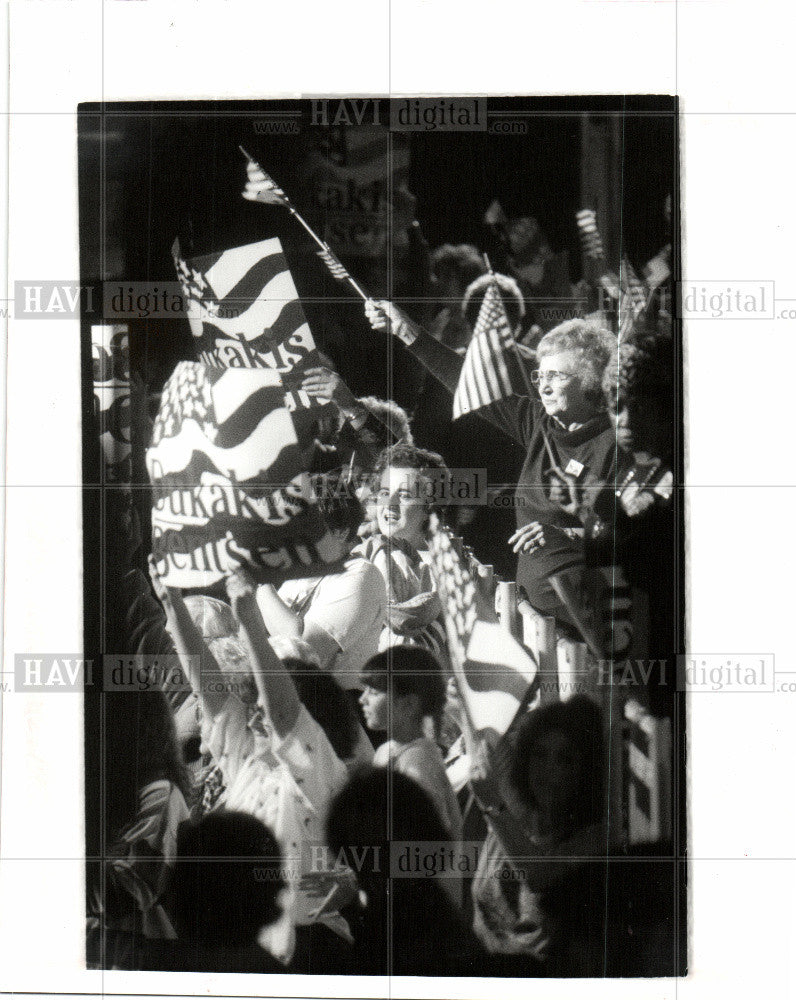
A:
(324, 246)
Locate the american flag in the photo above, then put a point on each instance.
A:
(335, 267)
(245, 312)
(493, 671)
(269, 193)
(492, 367)
(228, 484)
(590, 234)
(634, 298)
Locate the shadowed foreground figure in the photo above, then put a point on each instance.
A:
(405, 925)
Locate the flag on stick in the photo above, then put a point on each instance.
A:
(634, 298)
(492, 670)
(589, 234)
(228, 484)
(336, 268)
(492, 367)
(633, 286)
(261, 187)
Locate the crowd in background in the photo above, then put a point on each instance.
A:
(260, 823)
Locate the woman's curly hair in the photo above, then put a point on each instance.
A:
(408, 456)
(592, 344)
(637, 371)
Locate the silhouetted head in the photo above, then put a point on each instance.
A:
(227, 880)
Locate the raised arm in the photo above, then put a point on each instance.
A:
(325, 384)
(278, 617)
(443, 363)
(275, 687)
(195, 656)
(511, 416)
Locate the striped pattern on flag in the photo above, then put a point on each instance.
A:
(456, 589)
(494, 678)
(634, 287)
(245, 312)
(272, 193)
(634, 298)
(589, 234)
(228, 484)
(335, 267)
(492, 367)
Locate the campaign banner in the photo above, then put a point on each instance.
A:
(244, 312)
(229, 488)
(351, 175)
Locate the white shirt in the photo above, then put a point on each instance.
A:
(350, 607)
(287, 783)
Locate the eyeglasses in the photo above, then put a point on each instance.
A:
(552, 376)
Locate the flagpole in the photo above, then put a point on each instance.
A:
(297, 215)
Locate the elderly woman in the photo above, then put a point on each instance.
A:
(567, 438)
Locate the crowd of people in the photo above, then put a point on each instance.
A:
(318, 804)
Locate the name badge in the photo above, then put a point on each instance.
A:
(574, 468)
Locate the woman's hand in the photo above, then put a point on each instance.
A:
(483, 782)
(383, 315)
(323, 383)
(564, 491)
(635, 501)
(527, 538)
(240, 586)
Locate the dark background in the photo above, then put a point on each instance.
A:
(151, 172)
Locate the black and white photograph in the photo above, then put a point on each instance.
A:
(397, 500)
(383, 536)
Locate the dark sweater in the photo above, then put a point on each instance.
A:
(592, 446)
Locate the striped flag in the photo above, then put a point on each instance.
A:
(634, 298)
(228, 483)
(492, 367)
(335, 267)
(589, 234)
(245, 312)
(268, 191)
(633, 287)
(492, 670)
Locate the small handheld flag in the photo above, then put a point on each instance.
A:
(492, 367)
(492, 671)
(590, 234)
(264, 188)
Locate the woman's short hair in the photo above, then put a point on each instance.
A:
(378, 806)
(406, 670)
(591, 343)
(408, 456)
(638, 372)
(579, 720)
(390, 413)
(513, 301)
(461, 260)
(338, 503)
